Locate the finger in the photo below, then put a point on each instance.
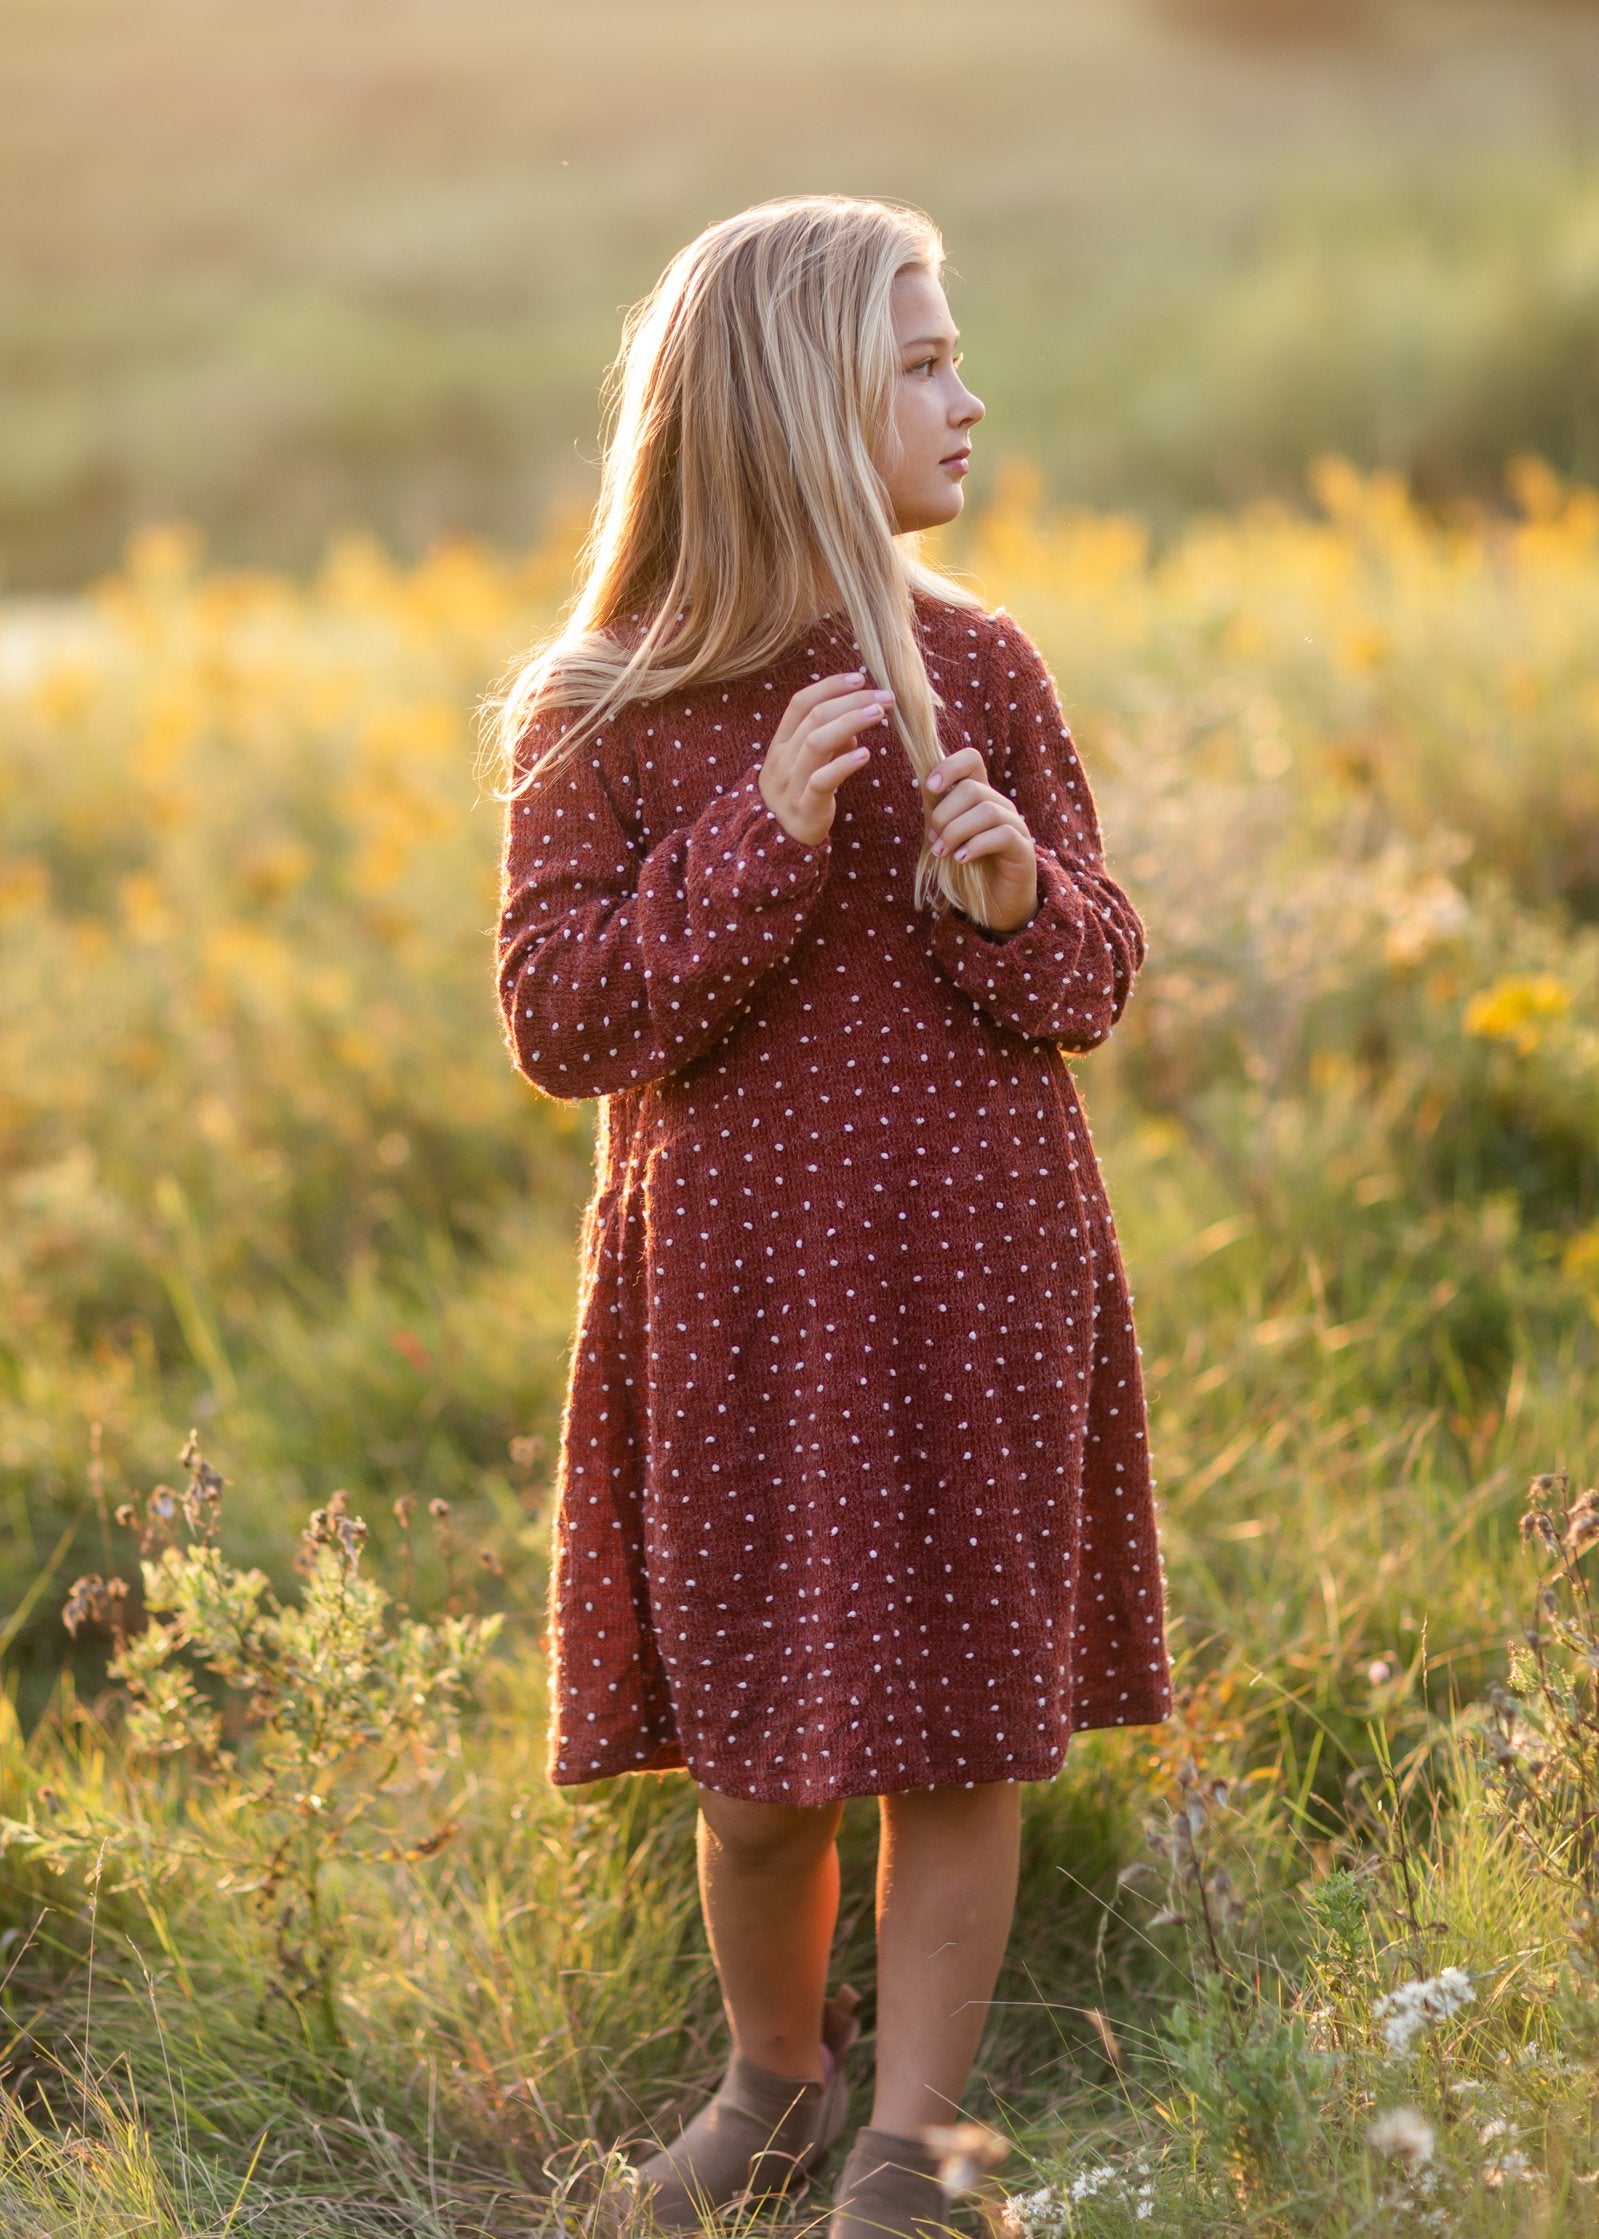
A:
(965, 795)
(838, 730)
(828, 711)
(952, 822)
(983, 824)
(998, 841)
(796, 730)
(964, 762)
(828, 776)
(827, 688)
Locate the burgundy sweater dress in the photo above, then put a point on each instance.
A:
(853, 1491)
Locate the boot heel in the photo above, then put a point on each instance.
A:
(758, 2136)
(889, 2189)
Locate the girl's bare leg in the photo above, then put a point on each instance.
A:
(946, 1893)
(769, 1888)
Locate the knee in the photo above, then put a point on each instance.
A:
(760, 1837)
(987, 1804)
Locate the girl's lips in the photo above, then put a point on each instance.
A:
(960, 460)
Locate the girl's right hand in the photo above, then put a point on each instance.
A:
(815, 750)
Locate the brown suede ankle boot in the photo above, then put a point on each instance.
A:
(759, 2134)
(889, 2189)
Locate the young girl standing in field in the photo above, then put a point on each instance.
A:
(803, 879)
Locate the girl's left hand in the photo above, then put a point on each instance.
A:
(971, 819)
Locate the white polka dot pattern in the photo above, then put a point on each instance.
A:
(1067, 973)
(853, 1491)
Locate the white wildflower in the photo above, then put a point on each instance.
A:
(1403, 2135)
(1506, 2170)
(1414, 2006)
(1046, 2213)
(1036, 2215)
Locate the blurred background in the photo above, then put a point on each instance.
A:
(323, 262)
(1286, 315)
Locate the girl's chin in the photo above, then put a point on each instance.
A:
(934, 514)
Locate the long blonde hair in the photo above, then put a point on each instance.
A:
(739, 492)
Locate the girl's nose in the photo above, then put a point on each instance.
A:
(972, 410)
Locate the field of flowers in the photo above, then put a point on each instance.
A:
(295, 1939)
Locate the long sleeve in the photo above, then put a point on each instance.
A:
(619, 965)
(1066, 974)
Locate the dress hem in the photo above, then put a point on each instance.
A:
(669, 1758)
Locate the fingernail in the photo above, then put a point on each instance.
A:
(882, 693)
(960, 855)
(934, 782)
(938, 847)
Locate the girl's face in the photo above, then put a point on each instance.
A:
(934, 411)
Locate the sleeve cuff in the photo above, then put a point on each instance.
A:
(1029, 960)
(765, 842)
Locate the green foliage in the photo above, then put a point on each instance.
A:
(338, 1723)
(1542, 1731)
(1255, 2083)
(1338, 1906)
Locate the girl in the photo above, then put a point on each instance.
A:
(803, 879)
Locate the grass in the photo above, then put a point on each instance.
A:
(269, 1172)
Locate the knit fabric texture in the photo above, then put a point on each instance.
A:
(853, 1491)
